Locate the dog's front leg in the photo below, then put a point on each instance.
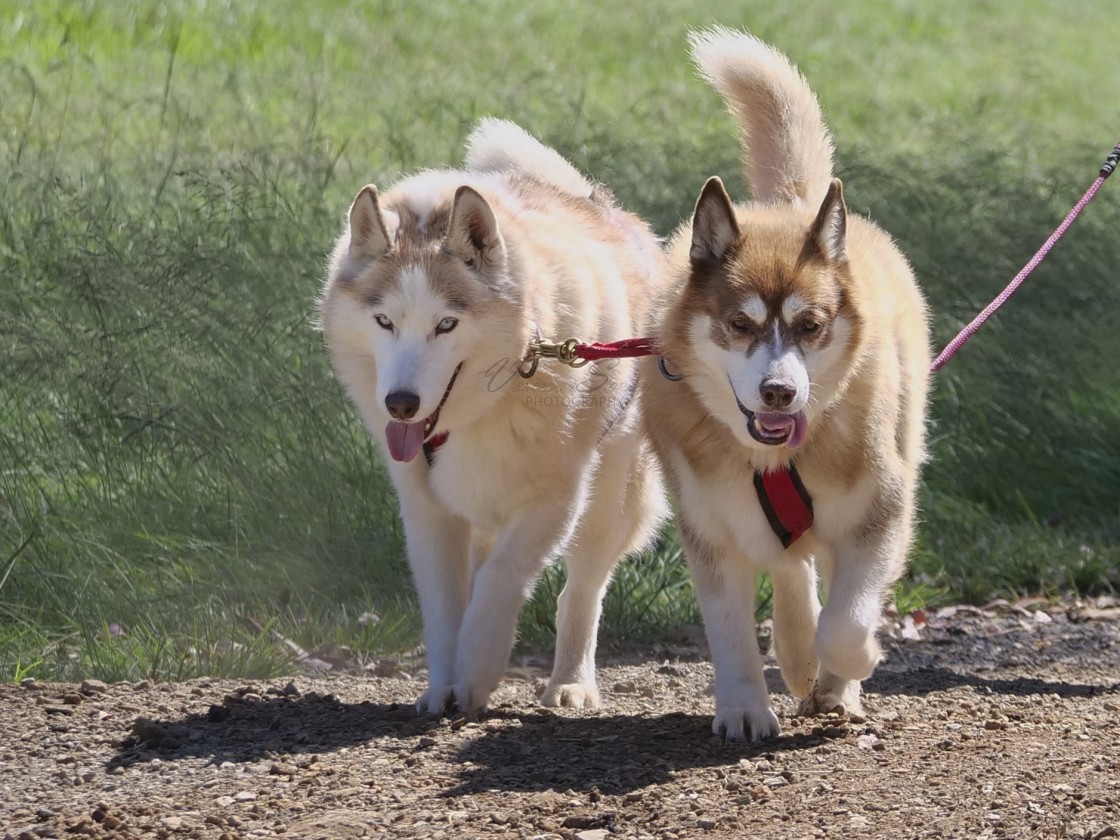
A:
(437, 543)
(725, 588)
(501, 585)
(861, 575)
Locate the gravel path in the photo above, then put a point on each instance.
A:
(996, 723)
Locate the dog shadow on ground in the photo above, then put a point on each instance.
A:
(611, 754)
(243, 729)
(516, 749)
(919, 681)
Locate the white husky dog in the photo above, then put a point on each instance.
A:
(434, 292)
(794, 435)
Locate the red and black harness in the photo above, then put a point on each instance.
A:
(786, 503)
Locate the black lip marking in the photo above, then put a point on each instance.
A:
(752, 424)
(433, 418)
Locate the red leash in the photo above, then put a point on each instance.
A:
(964, 335)
(625, 349)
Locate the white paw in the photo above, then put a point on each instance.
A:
(847, 650)
(737, 723)
(437, 700)
(571, 695)
(832, 695)
(472, 698)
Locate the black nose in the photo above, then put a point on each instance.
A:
(402, 405)
(777, 393)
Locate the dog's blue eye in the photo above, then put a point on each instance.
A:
(383, 322)
(446, 325)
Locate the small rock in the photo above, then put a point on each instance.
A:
(867, 742)
(290, 690)
(628, 687)
(44, 814)
(27, 682)
(72, 699)
(649, 692)
(1109, 706)
(994, 725)
(707, 825)
(593, 834)
(149, 730)
(112, 823)
(93, 687)
(244, 796)
(589, 822)
(775, 781)
(386, 668)
(173, 823)
(143, 685)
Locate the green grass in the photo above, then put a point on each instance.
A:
(175, 458)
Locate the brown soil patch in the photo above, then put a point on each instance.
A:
(997, 723)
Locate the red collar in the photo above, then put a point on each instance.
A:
(786, 503)
(432, 444)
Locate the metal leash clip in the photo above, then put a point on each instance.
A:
(542, 348)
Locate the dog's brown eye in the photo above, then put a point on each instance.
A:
(810, 327)
(742, 324)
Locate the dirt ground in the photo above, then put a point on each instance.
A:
(981, 723)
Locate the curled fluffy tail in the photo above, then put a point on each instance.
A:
(501, 146)
(787, 148)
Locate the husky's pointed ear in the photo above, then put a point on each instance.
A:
(828, 235)
(472, 233)
(371, 229)
(714, 227)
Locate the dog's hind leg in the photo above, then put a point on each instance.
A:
(626, 477)
(796, 607)
(537, 533)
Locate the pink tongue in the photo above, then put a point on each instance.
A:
(404, 439)
(782, 422)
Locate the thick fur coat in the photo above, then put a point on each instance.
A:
(800, 336)
(433, 293)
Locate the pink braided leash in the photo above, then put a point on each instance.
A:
(964, 335)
